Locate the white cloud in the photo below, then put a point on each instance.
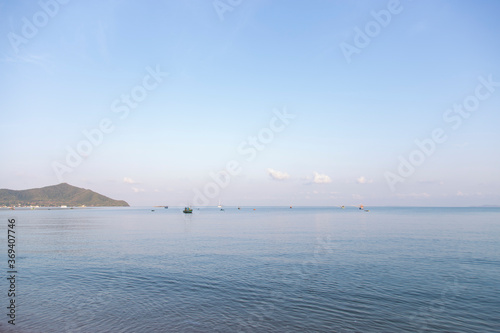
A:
(129, 180)
(363, 180)
(278, 175)
(321, 179)
(137, 190)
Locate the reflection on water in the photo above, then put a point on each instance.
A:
(268, 270)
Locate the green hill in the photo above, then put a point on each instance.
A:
(57, 195)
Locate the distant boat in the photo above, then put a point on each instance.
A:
(361, 207)
(291, 207)
(187, 210)
(166, 207)
(239, 207)
(220, 205)
(342, 207)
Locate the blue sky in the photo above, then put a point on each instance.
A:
(228, 74)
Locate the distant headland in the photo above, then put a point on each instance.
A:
(56, 196)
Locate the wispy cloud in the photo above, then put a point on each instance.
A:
(38, 60)
(431, 182)
(129, 180)
(413, 195)
(137, 190)
(278, 175)
(363, 180)
(462, 194)
(321, 179)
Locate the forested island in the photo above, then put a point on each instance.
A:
(57, 196)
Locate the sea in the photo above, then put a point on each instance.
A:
(254, 269)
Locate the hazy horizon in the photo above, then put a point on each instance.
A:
(279, 206)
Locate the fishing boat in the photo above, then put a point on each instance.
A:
(361, 207)
(187, 210)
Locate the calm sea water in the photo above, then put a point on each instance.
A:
(268, 270)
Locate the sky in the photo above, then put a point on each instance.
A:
(305, 103)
